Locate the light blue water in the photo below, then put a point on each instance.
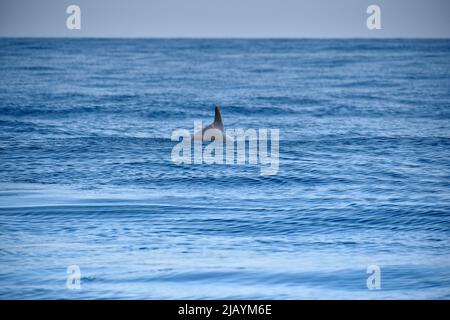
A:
(86, 176)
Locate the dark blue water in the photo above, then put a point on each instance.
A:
(86, 176)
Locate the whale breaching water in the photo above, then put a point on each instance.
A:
(215, 128)
(227, 146)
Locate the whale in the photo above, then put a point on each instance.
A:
(215, 129)
(231, 144)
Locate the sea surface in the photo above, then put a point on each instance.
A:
(86, 176)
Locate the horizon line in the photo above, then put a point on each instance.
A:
(227, 38)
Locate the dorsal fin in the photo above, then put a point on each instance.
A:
(218, 117)
(217, 124)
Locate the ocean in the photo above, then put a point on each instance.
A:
(86, 176)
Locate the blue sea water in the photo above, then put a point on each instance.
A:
(86, 176)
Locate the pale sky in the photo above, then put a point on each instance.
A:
(225, 18)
